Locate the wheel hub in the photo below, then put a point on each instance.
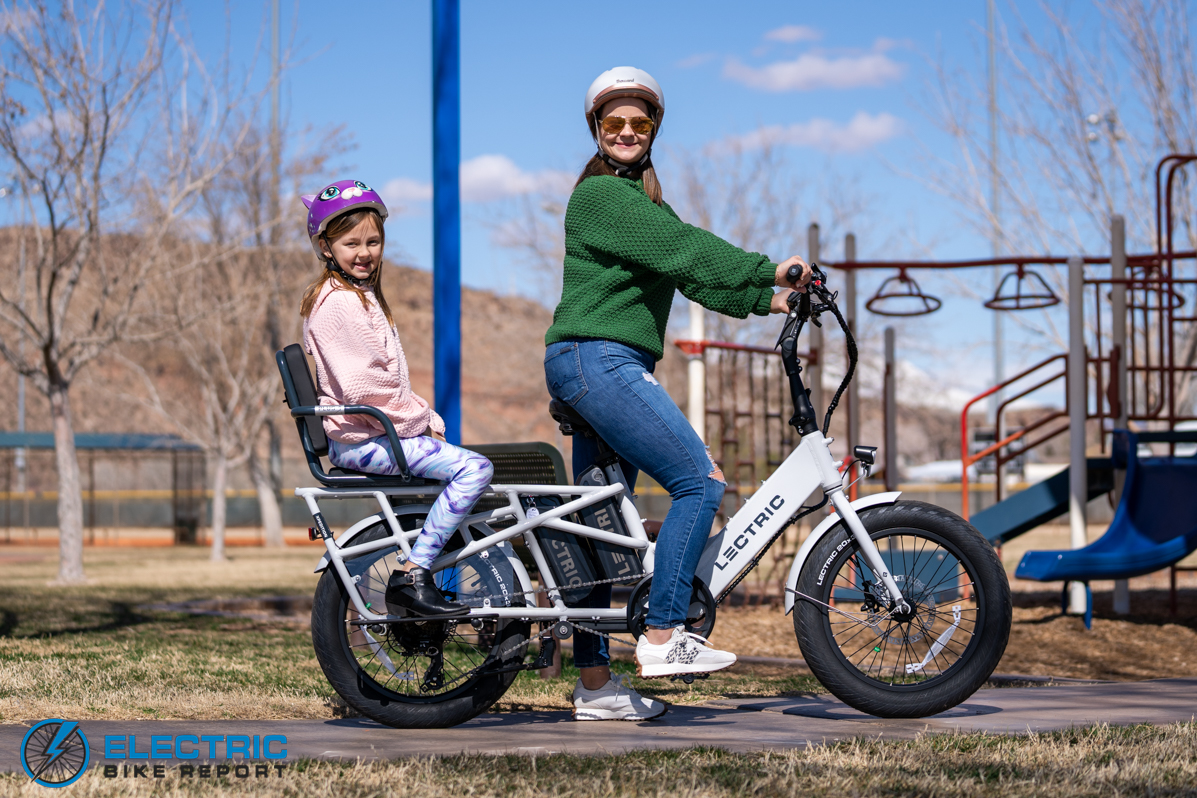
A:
(420, 639)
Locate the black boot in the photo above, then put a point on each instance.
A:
(417, 592)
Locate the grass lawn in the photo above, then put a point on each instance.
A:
(1135, 761)
(97, 652)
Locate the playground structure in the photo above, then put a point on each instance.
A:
(1128, 314)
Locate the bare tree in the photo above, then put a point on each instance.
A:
(245, 208)
(110, 165)
(1089, 102)
(532, 226)
(214, 384)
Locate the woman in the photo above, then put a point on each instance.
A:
(626, 252)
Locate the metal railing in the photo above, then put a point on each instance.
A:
(999, 449)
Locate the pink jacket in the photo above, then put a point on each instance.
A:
(359, 361)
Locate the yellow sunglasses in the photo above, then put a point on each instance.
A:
(641, 125)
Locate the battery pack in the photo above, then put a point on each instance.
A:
(568, 557)
(614, 562)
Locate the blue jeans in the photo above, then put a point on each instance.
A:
(612, 386)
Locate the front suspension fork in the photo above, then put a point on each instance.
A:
(867, 548)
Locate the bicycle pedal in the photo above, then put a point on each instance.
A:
(688, 678)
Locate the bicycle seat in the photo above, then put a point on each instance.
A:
(569, 421)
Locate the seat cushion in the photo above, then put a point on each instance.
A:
(343, 477)
(569, 419)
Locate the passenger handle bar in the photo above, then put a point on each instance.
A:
(367, 410)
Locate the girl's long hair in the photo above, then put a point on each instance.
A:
(337, 228)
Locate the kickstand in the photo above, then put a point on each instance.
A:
(547, 645)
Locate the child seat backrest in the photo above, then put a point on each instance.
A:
(300, 390)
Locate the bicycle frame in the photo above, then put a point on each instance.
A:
(727, 556)
(337, 551)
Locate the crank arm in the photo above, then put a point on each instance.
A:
(543, 660)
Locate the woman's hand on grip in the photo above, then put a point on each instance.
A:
(782, 278)
(779, 303)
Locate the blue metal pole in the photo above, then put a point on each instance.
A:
(446, 214)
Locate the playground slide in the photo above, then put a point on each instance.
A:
(1154, 526)
(1039, 503)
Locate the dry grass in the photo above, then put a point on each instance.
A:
(95, 652)
(1136, 761)
(92, 652)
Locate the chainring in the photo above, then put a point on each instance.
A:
(700, 618)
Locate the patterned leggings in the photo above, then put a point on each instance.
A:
(468, 474)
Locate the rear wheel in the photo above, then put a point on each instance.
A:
(904, 664)
(431, 674)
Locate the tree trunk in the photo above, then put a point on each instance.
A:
(220, 476)
(70, 496)
(268, 506)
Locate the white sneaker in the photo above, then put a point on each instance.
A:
(614, 701)
(685, 653)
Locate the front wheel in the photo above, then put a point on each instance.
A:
(904, 664)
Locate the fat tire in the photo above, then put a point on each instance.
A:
(348, 679)
(980, 658)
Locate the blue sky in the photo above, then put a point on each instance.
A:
(837, 83)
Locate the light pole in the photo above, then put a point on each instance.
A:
(1107, 126)
(999, 354)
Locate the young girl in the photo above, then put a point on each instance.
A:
(349, 331)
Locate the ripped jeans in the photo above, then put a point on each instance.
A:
(612, 386)
(468, 474)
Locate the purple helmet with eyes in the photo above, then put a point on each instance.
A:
(336, 199)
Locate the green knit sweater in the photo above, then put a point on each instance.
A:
(625, 256)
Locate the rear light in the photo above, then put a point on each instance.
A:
(313, 534)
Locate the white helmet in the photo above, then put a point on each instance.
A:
(624, 82)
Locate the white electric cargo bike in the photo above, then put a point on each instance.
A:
(901, 609)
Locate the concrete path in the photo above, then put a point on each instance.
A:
(738, 725)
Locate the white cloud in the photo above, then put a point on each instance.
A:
(794, 33)
(812, 71)
(696, 60)
(403, 189)
(491, 177)
(483, 179)
(864, 130)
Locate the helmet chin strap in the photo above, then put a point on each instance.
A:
(623, 169)
(349, 278)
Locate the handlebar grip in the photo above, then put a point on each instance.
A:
(795, 272)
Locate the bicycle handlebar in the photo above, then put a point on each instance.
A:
(802, 310)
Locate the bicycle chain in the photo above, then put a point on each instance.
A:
(544, 635)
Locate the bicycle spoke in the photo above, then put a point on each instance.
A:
(907, 648)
